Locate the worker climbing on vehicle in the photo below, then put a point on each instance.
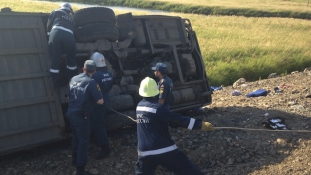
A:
(60, 27)
(165, 84)
(104, 79)
(155, 146)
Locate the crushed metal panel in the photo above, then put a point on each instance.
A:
(30, 113)
(166, 31)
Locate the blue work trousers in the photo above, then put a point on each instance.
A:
(175, 161)
(98, 126)
(60, 42)
(80, 127)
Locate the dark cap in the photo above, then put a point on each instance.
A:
(89, 65)
(161, 67)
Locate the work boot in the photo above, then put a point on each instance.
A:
(104, 152)
(81, 171)
(74, 159)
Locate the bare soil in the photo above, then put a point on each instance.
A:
(233, 151)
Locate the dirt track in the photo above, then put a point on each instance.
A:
(223, 152)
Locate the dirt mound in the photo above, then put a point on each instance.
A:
(225, 151)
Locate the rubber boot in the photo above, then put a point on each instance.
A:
(81, 171)
(74, 159)
(104, 152)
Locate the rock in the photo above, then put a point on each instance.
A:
(230, 161)
(307, 69)
(94, 171)
(281, 142)
(238, 82)
(119, 165)
(272, 75)
(308, 95)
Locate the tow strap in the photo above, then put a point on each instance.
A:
(226, 128)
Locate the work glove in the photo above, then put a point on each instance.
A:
(206, 126)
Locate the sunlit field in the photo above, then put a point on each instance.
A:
(293, 5)
(233, 47)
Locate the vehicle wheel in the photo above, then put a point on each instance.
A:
(115, 121)
(94, 15)
(133, 91)
(125, 24)
(96, 31)
(121, 102)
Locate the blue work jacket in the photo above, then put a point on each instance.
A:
(153, 130)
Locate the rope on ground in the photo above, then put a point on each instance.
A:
(122, 114)
(226, 128)
(252, 129)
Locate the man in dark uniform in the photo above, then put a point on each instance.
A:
(155, 146)
(60, 27)
(165, 84)
(104, 79)
(83, 93)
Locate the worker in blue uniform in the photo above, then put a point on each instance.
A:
(83, 92)
(165, 84)
(60, 27)
(104, 79)
(155, 146)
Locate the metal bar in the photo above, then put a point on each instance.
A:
(149, 38)
(21, 51)
(19, 77)
(29, 128)
(181, 79)
(10, 27)
(186, 106)
(165, 41)
(27, 102)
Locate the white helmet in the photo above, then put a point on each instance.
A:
(99, 59)
(66, 6)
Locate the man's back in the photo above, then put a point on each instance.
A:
(82, 93)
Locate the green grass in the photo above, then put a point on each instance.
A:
(270, 5)
(249, 8)
(233, 47)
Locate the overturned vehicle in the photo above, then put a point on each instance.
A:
(32, 113)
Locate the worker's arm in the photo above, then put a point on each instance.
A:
(164, 91)
(95, 91)
(50, 22)
(178, 120)
(161, 100)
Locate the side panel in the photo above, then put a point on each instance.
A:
(29, 112)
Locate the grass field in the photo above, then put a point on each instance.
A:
(233, 47)
(293, 5)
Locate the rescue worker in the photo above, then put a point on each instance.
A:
(83, 92)
(104, 79)
(165, 84)
(60, 27)
(155, 146)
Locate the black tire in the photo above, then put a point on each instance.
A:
(93, 15)
(125, 24)
(96, 31)
(116, 121)
(121, 102)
